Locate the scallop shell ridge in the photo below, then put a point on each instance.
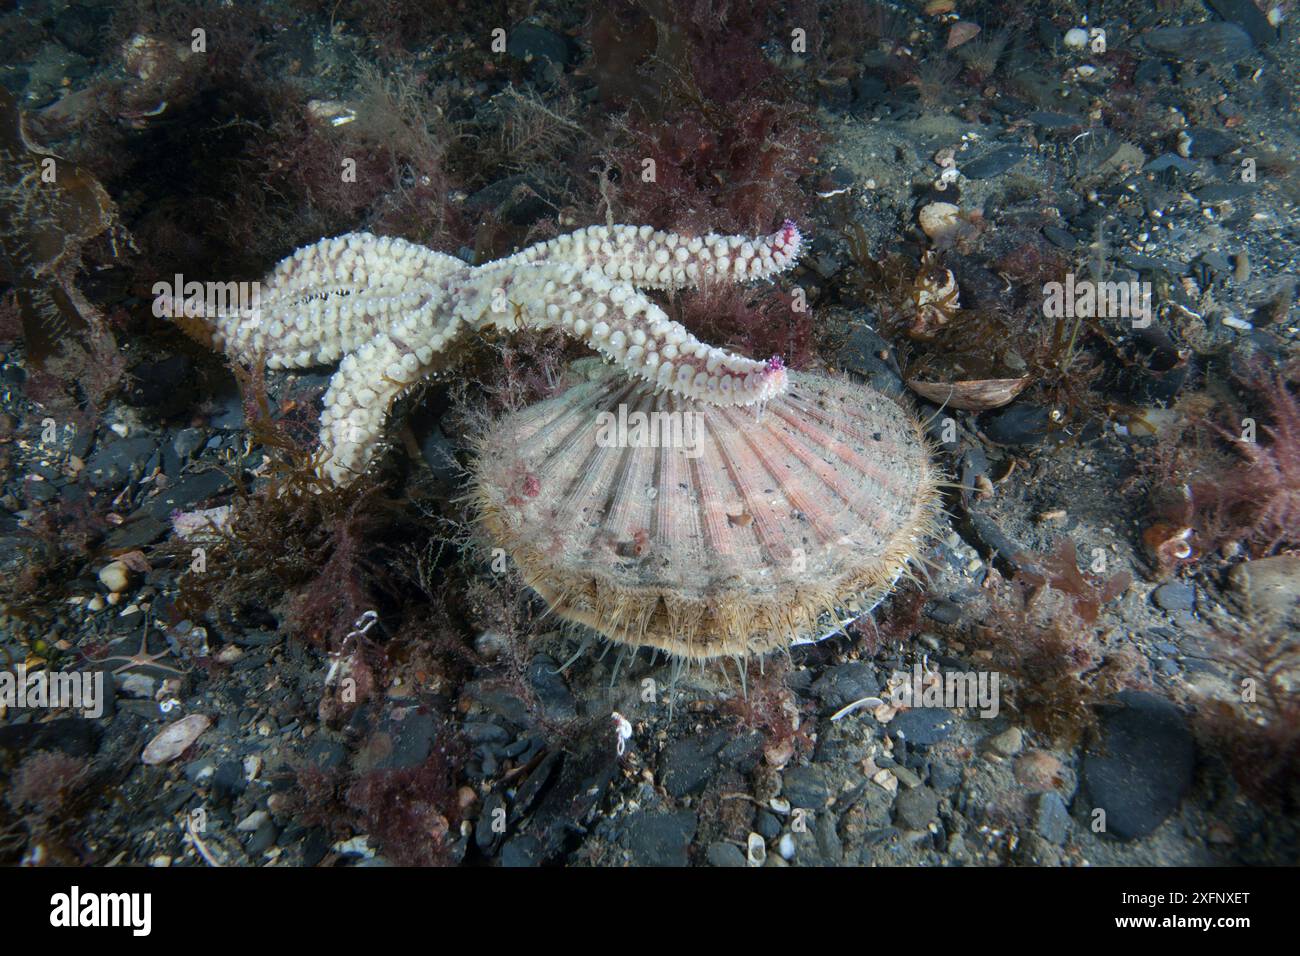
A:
(708, 531)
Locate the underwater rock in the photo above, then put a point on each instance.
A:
(1203, 42)
(1140, 767)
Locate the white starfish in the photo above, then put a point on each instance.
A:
(389, 308)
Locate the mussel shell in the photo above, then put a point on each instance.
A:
(708, 531)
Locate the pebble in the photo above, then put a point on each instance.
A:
(490, 644)
(528, 42)
(115, 576)
(661, 839)
(1009, 742)
(916, 809)
(252, 821)
(906, 777)
(1051, 817)
(552, 693)
(1175, 596)
(725, 854)
(843, 684)
(1142, 765)
(995, 163)
(1210, 143)
(687, 764)
(1247, 15)
(1020, 424)
(115, 464)
(922, 726)
(1202, 42)
(806, 787)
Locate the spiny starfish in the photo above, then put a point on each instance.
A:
(389, 309)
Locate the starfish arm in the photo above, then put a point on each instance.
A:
(656, 260)
(329, 298)
(371, 378)
(613, 318)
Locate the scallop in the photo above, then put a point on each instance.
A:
(708, 531)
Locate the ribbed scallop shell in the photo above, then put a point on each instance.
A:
(748, 538)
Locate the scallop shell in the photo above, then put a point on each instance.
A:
(708, 531)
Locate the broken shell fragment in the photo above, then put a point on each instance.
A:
(174, 739)
(618, 504)
(971, 396)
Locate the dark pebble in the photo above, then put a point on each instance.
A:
(995, 163)
(945, 612)
(1222, 192)
(1246, 15)
(529, 42)
(188, 493)
(262, 839)
(661, 839)
(1021, 424)
(489, 828)
(917, 808)
(552, 693)
(1151, 73)
(829, 846)
(227, 781)
(742, 753)
(522, 851)
(861, 354)
(1211, 143)
(1203, 42)
(1051, 817)
(725, 854)
(1049, 120)
(74, 736)
(412, 740)
(845, 683)
(944, 776)
(922, 726)
(1170, 161)
(121, 461)
(807, 787)
(325, 754)
(1141, 766)
(1175, 596)
(687, 764)
(1060, 237)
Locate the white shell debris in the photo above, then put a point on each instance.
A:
(938, 219)
(174, 739)
(1076, 38)
(115, 576)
